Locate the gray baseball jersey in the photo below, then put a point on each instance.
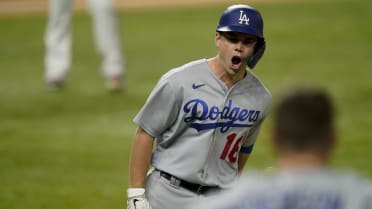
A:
(301, 189)
(201, 125)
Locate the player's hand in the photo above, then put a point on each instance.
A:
(137, 199)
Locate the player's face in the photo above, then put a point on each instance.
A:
(235, 49)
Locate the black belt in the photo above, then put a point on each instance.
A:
(197, 188)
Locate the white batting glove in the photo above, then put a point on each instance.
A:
(137, 199)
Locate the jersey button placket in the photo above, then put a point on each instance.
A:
(204, 172)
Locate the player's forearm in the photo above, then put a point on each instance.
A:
(140, 159)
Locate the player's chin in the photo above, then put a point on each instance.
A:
(233, 70)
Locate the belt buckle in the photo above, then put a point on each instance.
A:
(173, 180)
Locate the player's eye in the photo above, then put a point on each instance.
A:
(231, 39)
(249, 41)
(235, 38)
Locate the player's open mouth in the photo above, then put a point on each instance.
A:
(236, 60)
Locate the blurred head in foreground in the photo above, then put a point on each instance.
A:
(304, 127)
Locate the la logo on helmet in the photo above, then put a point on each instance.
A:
(243, 18)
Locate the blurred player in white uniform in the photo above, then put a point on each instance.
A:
(204, 117)
(58, 42)
(303, 138)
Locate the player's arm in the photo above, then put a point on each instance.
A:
(140, 158)
(243, 157)
(138, 166)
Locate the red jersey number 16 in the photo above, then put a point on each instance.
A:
(231, 149)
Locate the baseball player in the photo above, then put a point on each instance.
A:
(58, 42)
(204, 116)
(303, 138)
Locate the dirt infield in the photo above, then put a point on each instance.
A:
(40, 6)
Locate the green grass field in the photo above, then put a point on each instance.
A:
(70, 149)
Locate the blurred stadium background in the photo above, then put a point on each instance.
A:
(70, 149)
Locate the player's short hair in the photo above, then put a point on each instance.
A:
(304, 118)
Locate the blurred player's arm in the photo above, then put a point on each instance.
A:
(140, 158)
(243, 157)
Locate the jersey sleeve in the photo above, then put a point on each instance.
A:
(160, 110)
(250, 140)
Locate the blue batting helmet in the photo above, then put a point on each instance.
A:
(244, 19)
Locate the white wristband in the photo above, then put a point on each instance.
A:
(132, 192)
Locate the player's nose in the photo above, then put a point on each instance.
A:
(239, 46)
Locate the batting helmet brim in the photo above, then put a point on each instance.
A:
(241, 29)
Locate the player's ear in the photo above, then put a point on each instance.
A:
(217, 39)
(274, 138)
(274, 135)
(332, 138)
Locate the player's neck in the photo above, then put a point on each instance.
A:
(294, 161)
